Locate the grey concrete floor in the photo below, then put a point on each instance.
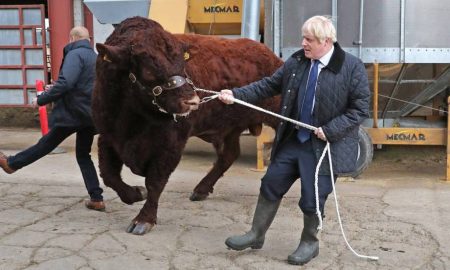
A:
(399, 210)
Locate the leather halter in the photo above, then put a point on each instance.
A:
(171, 83)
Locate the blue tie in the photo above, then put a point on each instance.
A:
(306, 108)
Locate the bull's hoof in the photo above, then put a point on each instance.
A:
(198, 196)
(142, 191)
(139, 228)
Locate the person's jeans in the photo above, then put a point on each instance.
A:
(84, 139)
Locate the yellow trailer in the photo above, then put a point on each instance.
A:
(207, 17)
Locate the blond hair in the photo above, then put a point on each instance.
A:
(79, 32)
(320, 27)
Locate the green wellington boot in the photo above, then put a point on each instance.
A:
(264, 215)
(309, 243)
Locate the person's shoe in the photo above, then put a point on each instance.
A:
(4, 164)
(95, 205)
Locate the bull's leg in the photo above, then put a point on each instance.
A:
(110, 166)
(155, 182)
(146, 218)
(157, 174)
(227, 153)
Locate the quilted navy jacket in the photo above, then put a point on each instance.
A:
(73, 90)
(341, 103)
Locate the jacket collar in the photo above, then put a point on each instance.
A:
(336, 61)
(77, 44)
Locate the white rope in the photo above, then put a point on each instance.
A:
(375, 258)
(316, 186)
(326, 150)
(262, 110)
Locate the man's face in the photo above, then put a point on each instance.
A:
(313, 48)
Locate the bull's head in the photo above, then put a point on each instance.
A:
(153, 62)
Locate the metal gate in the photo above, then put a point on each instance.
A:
(23, 56)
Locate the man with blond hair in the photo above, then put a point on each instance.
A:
(323, 86)
(71, 113)
(78, 33)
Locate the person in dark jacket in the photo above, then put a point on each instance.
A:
(323, 86)
(71, 113)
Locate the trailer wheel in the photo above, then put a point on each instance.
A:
(365, 152)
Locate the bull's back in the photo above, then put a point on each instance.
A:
(219, 63)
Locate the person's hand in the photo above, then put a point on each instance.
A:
(48, 86)
(34, 103)
(226, 96)
(320, 134)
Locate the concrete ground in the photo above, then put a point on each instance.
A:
(397, 210)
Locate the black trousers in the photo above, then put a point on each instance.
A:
(294, 160)
(84, 139)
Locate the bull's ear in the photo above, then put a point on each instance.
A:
(114, 54)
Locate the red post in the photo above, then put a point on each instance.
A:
(60, 13)
(42, 109)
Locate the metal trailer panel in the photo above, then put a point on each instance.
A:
(426, 31)
(393, 31)
(427, 24)
(115, 11)
(379, 18)
(250, 19)
(294, 13)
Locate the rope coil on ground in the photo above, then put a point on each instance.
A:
(326, 150)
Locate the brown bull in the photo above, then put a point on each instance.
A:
(145, 111)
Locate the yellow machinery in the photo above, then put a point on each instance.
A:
(171, 14)
(215, 17)
(207, 17)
